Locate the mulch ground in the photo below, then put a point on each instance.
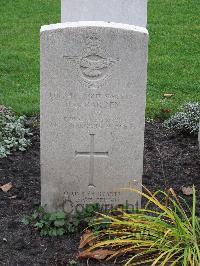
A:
(170, 160)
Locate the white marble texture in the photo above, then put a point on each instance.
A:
(93, 94)
(133, 12)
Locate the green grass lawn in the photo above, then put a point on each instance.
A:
(174, 52)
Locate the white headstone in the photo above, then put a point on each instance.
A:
(133, 12)
(93, 91)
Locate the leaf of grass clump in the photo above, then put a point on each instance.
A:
(166, 234)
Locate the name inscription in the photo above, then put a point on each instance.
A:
(79, 109)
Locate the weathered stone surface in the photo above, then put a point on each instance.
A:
(93, 90)
(133, 12)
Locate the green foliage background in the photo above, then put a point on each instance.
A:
(174, 53)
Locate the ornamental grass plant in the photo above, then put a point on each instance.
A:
(165, 232)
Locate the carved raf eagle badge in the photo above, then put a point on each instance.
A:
(94, 66)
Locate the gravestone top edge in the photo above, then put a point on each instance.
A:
(102, 24)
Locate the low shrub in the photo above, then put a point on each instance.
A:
(187, 120)
(13, 133)
(163, 233)
(58, 223)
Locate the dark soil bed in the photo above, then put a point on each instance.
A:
(170, 160)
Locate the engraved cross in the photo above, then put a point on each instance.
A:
(91, 154)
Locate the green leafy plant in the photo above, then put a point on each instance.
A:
(58, 223)
(164, 234)
(187, 120)
(51, 224)
(13, 133)
(82, 218)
